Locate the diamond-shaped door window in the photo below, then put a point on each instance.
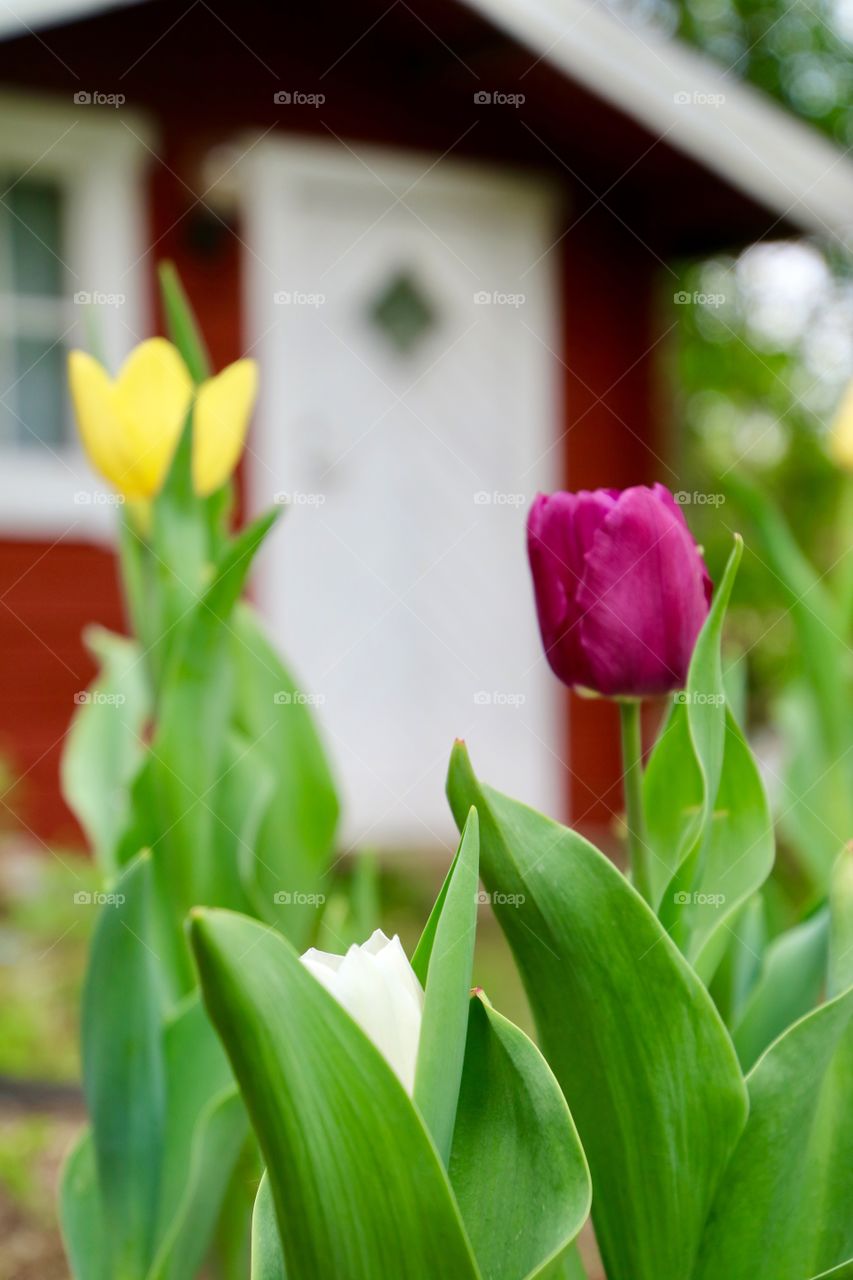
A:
(402, 312)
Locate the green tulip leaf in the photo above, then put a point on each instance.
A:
(840, 975)
(124, 1070)
(267, 1258)
(239, 802)
(673, 799)
(816, 809)
(441, 1049)
(738, 856)
(205, 1128)
(820, 628)
(789, 985)
(80, 1213)
(683, 773)
(708, 821)
(635, 1041)
(815, 812)
(517, 1167)
(295, 840)
(784, 1208)
(358, 1187)
(104, 745)
(844, 1272)
(182, 325)
(188, 754)
(740, 965)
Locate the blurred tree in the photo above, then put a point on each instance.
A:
(764, 349)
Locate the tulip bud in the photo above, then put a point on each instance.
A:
(130, 425)
(378, 988)
(841, 431)
(621, 589)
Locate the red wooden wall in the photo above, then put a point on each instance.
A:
(50, 593)
(201, 83)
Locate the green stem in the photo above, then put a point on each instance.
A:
(632, 781)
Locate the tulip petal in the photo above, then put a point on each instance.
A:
(560, 528)
(152, 393)
(375, 983)
(92, 394)
(642, 596)
(223, 407)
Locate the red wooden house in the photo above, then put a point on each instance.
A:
(446, 230)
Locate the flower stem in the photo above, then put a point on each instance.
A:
(632, 781)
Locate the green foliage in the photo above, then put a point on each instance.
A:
(124, 1071)
(449, 942)
(194, 785)
(517, 1167)
(354, 1180)
(288, 863)
(142, 1190)
(784, 1208)
(707, 814)
(693, 1179)
(796, 52)
(788, 985)
(635, 1041)
(760, 359)
(104, 747)
(358, 1188)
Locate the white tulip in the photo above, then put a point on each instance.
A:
(378, 988)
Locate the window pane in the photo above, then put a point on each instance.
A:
(34, 219)
(39, 397)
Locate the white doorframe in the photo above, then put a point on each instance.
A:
(276, 183)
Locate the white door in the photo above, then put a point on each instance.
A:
(403, 312)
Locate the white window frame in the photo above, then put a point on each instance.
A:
(98, 157)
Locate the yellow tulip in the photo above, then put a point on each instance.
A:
(841, 432)
(223, 406)
(130, 425)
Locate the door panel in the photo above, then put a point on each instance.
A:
(408, 422)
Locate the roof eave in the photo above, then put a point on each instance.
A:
(680, 95)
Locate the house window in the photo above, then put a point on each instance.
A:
(75, 268)
(33, 315)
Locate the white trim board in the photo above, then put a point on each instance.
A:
(725, 124)
(24, 16)
(98, 156)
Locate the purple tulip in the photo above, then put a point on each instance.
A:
(621, 588)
